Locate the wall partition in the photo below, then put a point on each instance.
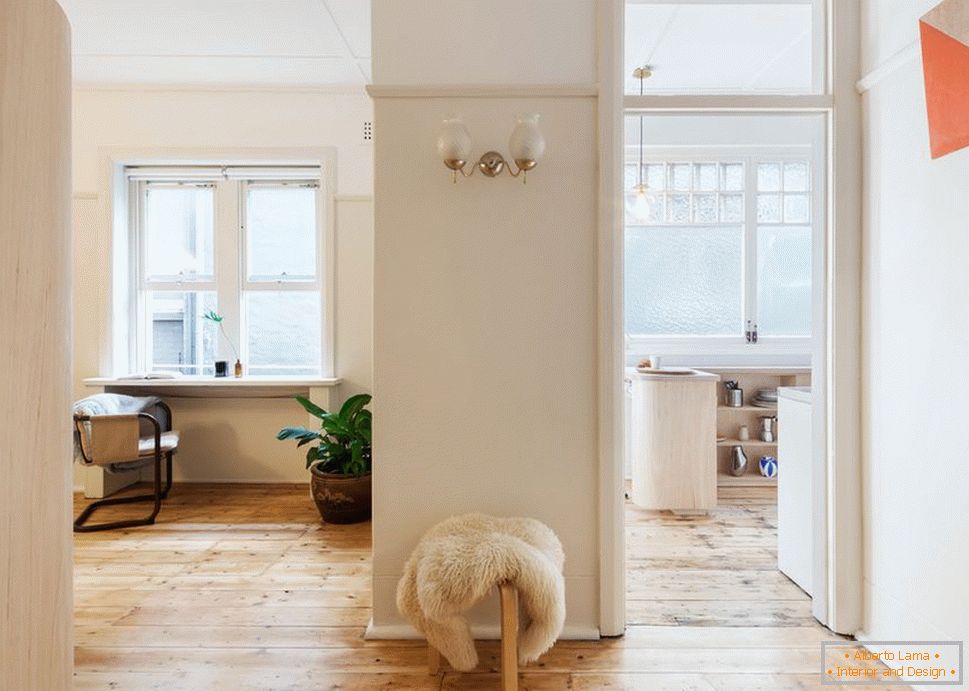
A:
(35, 323)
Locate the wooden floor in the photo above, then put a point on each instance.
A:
(241, 586)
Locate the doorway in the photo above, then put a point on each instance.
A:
(722, 275)
(834, 60)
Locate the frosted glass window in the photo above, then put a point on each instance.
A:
(685, 193)
(784, 280)
(656, 176)
(796, 177)
(705, 208)
(769, 177)
(178, 232)
(783, 192)
(681, 176)
(724, 47)
(769, 208)
(732, 176)
(684, 280)
(181, 340)
(797, 208)
(687, 271)
(678, 210)
(731, 208)
(283, 332)
(281, 232)
(706, 176)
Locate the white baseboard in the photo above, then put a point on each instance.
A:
(484, 632)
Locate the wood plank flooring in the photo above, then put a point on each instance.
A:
(241, 586)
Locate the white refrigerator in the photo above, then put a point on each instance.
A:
(795, 536)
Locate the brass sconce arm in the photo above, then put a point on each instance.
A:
(491, 164)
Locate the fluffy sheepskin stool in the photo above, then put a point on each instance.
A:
(460, 561)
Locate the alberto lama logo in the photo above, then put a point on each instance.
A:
(892, 662)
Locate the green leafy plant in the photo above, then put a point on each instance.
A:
(342, 444)
(216, 318)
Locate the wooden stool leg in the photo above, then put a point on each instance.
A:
(433, 660)
(509, 637)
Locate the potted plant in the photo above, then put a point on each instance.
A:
(339, 458)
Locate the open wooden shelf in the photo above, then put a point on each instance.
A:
(750, 479)
(730, 419)
(749, 442)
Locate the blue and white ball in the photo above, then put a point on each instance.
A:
(768, 466)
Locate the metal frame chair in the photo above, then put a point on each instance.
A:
(116, 438)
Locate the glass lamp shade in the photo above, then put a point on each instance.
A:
(527, 143)
(641, 206)
(454, 140)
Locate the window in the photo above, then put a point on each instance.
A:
(685, 259)
(246, 243)
(726, 47)
(723, 243)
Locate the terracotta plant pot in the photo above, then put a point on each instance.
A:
(341, 498)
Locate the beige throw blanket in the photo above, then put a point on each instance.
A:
(460, 560)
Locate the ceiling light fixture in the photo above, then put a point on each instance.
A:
(641, 207)
(527, 144)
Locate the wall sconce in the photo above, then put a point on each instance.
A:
(527, 144)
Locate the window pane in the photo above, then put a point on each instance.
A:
(732, 208)
(717, 47)
(178, 232)
(680, 176)
(684, 280)
(769, 177)
(732, 176)
(705, 208)
(706, 176)
(629, 177)
(796, 177)
(678, 210)
(283, 332)
(797, 208)
(784, 281)
(181, 340)
(281, 232)
(769, 208)
(656, 176)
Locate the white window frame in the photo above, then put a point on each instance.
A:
(641, 345)
(230, 283)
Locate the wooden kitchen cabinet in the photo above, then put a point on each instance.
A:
(674, 453)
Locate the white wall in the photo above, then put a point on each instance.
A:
(916, 331)
(224, 439)
(485, 290)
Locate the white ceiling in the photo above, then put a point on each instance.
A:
(723, 47)
(221, 42)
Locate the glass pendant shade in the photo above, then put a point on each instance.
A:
(641, 206)
(454, 140)
(527, 143)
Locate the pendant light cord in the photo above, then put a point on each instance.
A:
(640, 169)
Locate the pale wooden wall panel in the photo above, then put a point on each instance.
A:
(35, 321)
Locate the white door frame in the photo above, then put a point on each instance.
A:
(837, 356)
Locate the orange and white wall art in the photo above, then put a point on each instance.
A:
(945, 63)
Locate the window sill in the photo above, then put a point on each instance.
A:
(212, 387)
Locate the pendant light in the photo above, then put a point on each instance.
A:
(641, 206)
